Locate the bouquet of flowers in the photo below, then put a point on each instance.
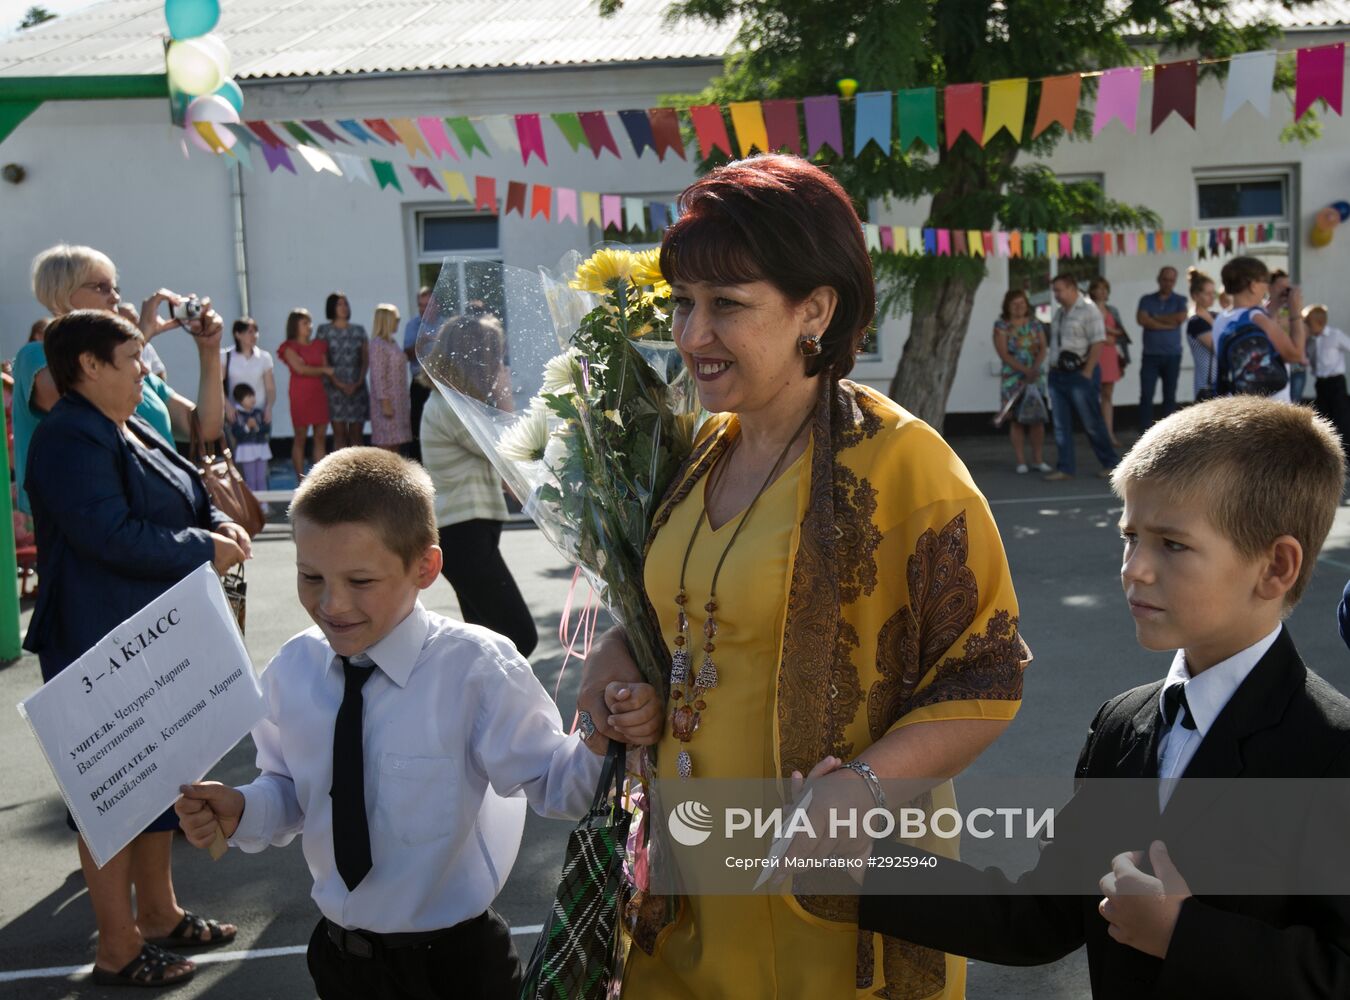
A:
(573, 389)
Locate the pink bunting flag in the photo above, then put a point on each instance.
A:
(425, 177)
(1118, 97)
(567, 204)
(987, 241)
(887, 239)
(1065, 245)
(437, 138)
(944, 241)
(1097, 243)
(611, 211)
(1003, 248)
(531, 138)
(1320, 76)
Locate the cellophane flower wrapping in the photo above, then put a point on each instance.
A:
(571, 385)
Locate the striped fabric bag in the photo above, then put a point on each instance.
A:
(575, 957)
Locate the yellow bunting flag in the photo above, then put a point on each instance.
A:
(456, 187)
(900, 239)
(1007, 108)
(208, 132)
(1143, 243)
(410, 136)
(1052, 245)
(590, 207)
(747, 118)
(975, 241)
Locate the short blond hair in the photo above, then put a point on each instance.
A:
(385, 324)
(59, 271)
(1316, 309)
(1264, 468)
(375, 487)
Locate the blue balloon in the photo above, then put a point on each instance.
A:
(231, 92)
(190, 18)
(1343, 207)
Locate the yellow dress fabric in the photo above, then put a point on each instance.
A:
(879, 591)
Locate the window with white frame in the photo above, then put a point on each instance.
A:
(1229, 199)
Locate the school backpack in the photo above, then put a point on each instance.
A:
(1246, 362)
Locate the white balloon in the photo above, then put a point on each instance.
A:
(198, 65)
(215, 111)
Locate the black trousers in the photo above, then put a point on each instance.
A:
(417, 397)
(1331, 402)
(487, 592)
(475, 960)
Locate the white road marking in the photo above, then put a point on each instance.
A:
(213, 958)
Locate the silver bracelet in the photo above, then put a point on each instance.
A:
(864, 771)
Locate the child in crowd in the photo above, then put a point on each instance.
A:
(397, 741)
(251, 433)
(1216, 556)
(1326, 350)
(1247, 280)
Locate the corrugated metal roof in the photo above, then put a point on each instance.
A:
(274, 38)
(278, 38)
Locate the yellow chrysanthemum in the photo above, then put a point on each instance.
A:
(603, 271)
(647, 267)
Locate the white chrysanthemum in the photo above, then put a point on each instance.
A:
(560, 373)
(556, 452)
(526, 438)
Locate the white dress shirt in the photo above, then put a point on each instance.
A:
(1326, 352)
(1206, 695)
(455, 728)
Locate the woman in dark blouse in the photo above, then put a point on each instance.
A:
(120, 519)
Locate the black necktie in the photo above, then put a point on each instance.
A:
(1175, 707)
(351, 835)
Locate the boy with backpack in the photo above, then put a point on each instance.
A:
(1251, 349)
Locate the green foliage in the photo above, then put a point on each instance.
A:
(34, 16)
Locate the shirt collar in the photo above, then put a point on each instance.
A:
(398, 652)
(1208, 692)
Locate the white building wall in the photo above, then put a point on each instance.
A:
(112, 175)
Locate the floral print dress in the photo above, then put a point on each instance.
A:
(344, 354)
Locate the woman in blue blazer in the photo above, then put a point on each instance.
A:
(120, 518)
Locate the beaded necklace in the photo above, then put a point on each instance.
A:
(687, 699)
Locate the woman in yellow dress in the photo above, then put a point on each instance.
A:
(826, 574)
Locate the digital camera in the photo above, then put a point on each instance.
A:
(188, 310)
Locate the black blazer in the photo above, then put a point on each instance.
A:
(116, 527)
(1283, 722)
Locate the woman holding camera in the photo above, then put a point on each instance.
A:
(66, 278)
(120, 519)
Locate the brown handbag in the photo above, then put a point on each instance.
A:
(223, 481)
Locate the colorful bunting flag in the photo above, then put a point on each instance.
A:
(467, 135)
(780, 120)
(567, 204)
(242, 152)
(1059, 102)
(1004, 244)
(541, 200)
(456, 187)
(1320, 76)
(639, 128)
(597, 131)
(917, 111)
(515, 198)
(888, 232)
(902, 244)
(503, 132)
(208, 133)
(748, 120)
(944, 242)
(634, 214)
(264, 132)
(930, 244)
(975, 243)
(277, 157)
(915, 239)
(666, 136)
(1250, 78)
(384, 173)
(424, 177)
(963, 107)
(1007, 108)
(485, 191)
(987, 241)
(823, 127)
(354, 168)
(531, 137)
(353, 128)
(299, 134)
(323, 129)
(381, 128)
(1174, 89)
(318, 160)
(873, 122)
(710, 129)
(437, 139)
(1015, 243)
(411, 138)
(1118, 97)
(872, 236)
(570, 127)
(611, 211)
(659, 217)
(590, 208)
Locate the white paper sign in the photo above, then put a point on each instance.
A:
(154, 705)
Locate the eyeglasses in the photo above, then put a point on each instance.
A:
(102, 287)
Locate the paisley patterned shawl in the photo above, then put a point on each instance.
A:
(900, 610)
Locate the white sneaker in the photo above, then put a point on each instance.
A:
(1043, 467)
(1022, 469)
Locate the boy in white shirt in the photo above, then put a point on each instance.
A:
(397, 741)
(1326, 350)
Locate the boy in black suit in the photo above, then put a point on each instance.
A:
(1226, 506)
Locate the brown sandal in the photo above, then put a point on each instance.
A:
(148, 969)
(188, 934)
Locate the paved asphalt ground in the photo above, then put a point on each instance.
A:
(1062, 543)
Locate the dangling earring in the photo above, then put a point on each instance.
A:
(809, 345)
